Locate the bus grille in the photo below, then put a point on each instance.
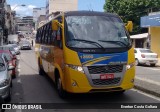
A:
(106, 82)
(105, 69)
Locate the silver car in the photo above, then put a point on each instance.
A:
(5, 78)
(25, 45)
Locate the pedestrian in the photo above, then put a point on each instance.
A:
(32, 43)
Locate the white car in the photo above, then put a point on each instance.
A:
(145, 56)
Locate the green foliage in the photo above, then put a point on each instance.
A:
(132, 10)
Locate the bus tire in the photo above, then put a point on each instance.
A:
(61, 92)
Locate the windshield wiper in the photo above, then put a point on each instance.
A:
(91, 42)
(115, 42)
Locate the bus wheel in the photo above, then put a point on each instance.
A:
(60, 89)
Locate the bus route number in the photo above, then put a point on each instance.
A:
(86, 56)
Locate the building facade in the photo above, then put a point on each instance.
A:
(53, 6)
(37, 12)
(25, 25)
(3, 29)
(152, 21)
(140, 40)
(7, 21)
(41, 20)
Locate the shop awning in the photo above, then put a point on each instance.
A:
(139, 36)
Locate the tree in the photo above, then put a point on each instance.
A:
(132, 10)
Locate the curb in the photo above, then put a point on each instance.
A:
(147, 87)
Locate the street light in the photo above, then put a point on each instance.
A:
(23, 5)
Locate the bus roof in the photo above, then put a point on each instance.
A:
(89, 13)
(83, 13)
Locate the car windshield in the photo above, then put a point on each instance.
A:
(8, 56)
(7, 48)
(146, 51)
(92, 31)
(2, 65)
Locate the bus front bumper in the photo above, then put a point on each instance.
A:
(77, 82)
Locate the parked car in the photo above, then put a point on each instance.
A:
(145, 56)
(5, 78)
(25, 45)
(16, 48)
(11, 61)
(9, 50)
(8, 47)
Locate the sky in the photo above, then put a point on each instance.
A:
(95, 5)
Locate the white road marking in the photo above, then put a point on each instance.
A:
(156, 69)
(148, 80)
(148, 95)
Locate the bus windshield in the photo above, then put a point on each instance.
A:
(92, 31)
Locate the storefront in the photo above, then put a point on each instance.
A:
(153, 23)
(140, 40)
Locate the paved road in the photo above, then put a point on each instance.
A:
(147, 72)
(29, 87)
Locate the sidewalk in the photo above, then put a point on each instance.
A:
(148, 85)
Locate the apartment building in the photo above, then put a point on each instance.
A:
(37, 12)
(53, 6)
(25, 24)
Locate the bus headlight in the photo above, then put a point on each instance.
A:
(75, 67)
(128, 66)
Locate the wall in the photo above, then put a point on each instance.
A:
(61, 5)
(155, 39)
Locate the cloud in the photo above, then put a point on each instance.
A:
(31, 6)
(23, 10)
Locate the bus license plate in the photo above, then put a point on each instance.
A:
(106, 76)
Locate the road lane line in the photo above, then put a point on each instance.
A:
(148, 95)
(156, 69)
(148, 80)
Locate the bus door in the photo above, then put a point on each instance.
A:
(57, 50)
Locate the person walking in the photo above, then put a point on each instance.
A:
(32, 43)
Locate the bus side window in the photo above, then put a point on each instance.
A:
(50, 34)
(57, 36)
(42, 35)
(39, 36)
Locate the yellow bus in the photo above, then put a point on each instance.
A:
(86, 52)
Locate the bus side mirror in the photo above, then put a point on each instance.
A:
(129, 26)
(55, 25)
